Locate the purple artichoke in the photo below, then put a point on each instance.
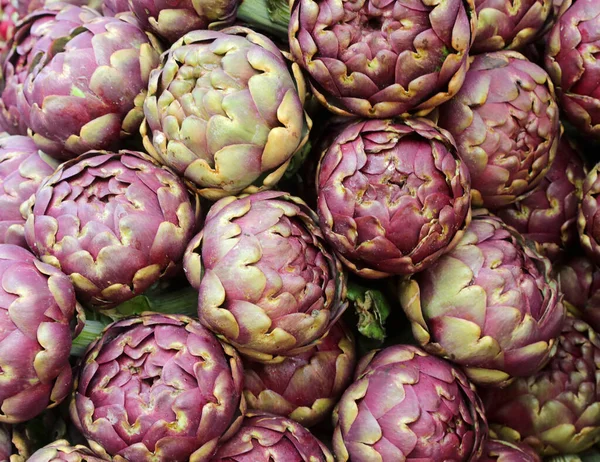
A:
(281, 388)
(114, 222)
(548, 215)
(114, 7)
(505, 123)
(61, 450)
(158, 388)
(407, 405)
(73, 98)
(39, 318)
(557, 410)
(22, 169)
(588, 218)
(269, 438)
(579, 281)
(225, 113)
(382, 59)
(572, 61)
(490, 305)
(392, 196)
(172, 19)
(9, 15)
(266, 282)
(503, 451)
(509, 25)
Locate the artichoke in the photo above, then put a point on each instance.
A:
(61, 450)
(266, 282)
(173, 19)
(572, 61)
(22, 169)
(392, 196)
(382, 59)
(269, 438)
(224, 112)
(5, 443)
(282, 389)
(503, 451)
(579, 281)
(40, 317)
(407, 405)
(556, 411)
(114, 222)
(158, 388)
(548, 215)
(9, 15)
(505, 123)
(589, 214)
(509, 25)
(114, 7)
(73, 98)
(490, 305)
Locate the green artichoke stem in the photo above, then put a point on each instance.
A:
(372, 309)
(272, 16)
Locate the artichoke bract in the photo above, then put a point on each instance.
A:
(114, 222)
(548, 215)
(572, 61)
(556, 411)
(304, 387)
(392, 196)
(39, 318)
(579, 282)
(589, 216)
(224, 112)
(62, 450)
(114, 7)
(268, 438)
(267, 283)
(503, 451)
(490, 305)
(73, 98)
(173, 19)
(158, 388)
(407, 405)
(22, 170)
(382, 59)
(505, 123)
(507, 25)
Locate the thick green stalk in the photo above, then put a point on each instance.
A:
(272, 16)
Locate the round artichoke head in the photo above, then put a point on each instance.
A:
(39, 318)
(548, 215)
(266, 282)
(579, 281)
(588, 217)
(505, 123)
(503, 451)
(490, 305)
(509, 25)
(557, 410)
(392, 196)
(114, 222)
(407, 405)
(158, 388)
(225, 112)
(304, 387)
(382, 59)
(173, 19)
(22, 169)
(62, 450)
(73, 97)
(572, 60)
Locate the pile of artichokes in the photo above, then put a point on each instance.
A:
(261, 231)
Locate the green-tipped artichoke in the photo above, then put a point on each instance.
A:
(408, 406)
(382, 59)
(556, 411)
(505, 123)
(62, 450)
(489, 305)
(589, 215)
(224, 112)
(503, 451)
(114, 222)
(392, 196)
(158, 388)
(267, 283)
(304, 387)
